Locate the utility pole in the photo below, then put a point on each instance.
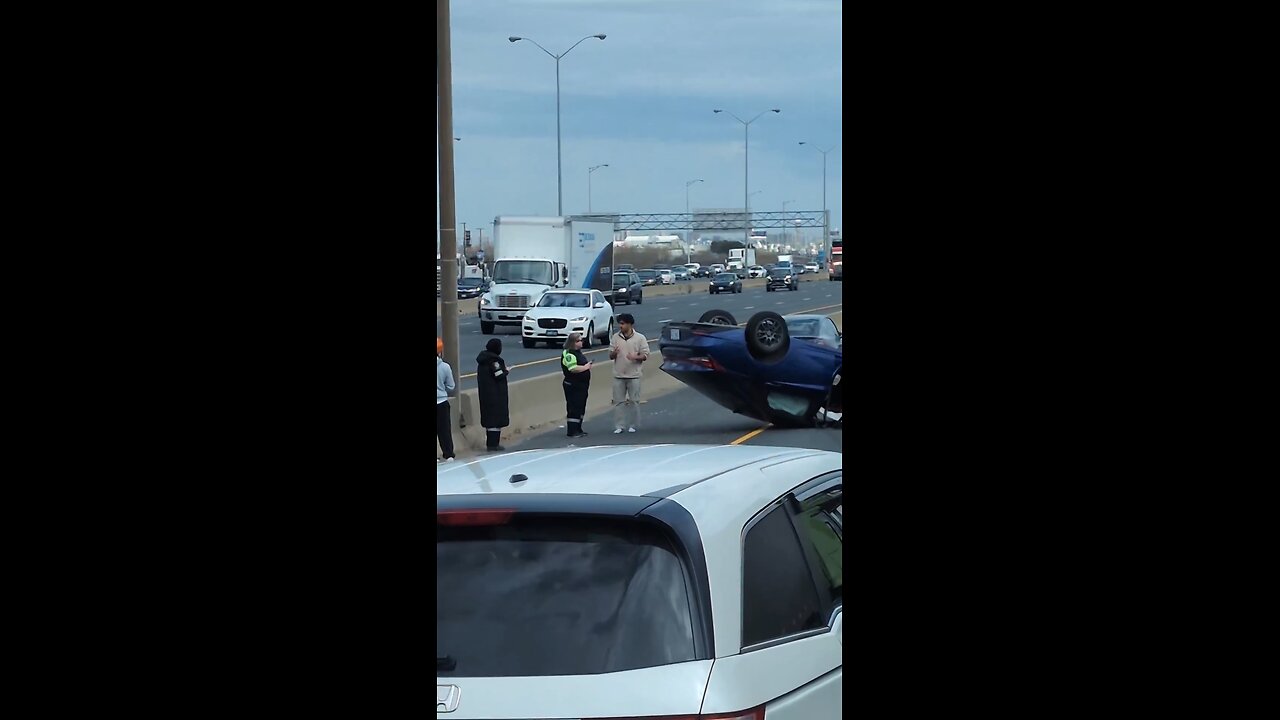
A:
(448, 214)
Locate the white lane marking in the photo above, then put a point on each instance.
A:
(665, 321)
(665, 308)
(777, 303)
(828, 294)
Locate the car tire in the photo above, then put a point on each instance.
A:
(528, 343)
(589, 337)
(608, 333)
(486, 328)
(639, 300)
(767, 337)
(718, 317)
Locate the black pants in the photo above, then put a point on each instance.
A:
(575, 401)
(444, 429)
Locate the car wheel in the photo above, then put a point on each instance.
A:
(640, 300)
(486, 328)
(767, 337)
(589, 337)
(718, 317)
(528, 342)
(608, 333)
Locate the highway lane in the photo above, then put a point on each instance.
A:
(816, 294)
(686, 417)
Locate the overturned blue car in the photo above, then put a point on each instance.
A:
(779, 369)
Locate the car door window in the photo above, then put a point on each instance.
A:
(820, 522)
(779, 597)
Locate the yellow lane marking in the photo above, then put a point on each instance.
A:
(751, 434)
(605, 349)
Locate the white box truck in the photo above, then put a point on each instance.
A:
(740, 259)
(535, 254)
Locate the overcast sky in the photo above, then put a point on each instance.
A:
(641, 101)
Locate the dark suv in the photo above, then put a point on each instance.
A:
(780, 278)
(627, 288)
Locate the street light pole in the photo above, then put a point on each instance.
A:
(590, 170)
(826, 230)
(746, 155)
(559, 155)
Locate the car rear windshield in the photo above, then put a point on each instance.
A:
(541, 596)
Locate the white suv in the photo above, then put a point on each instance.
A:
(656, 582)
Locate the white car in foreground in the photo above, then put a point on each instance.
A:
(561, 312)
(704, 582)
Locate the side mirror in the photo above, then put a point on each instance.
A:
(599, 305)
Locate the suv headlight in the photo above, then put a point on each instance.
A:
(484, 301)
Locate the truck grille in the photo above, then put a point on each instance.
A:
(513, 301)
(552, 322)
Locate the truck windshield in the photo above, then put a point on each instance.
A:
(523, 271)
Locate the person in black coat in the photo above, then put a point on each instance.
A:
(491, 381)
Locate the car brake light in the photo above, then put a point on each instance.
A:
(752, 714)
(706, 362)
(474, 517)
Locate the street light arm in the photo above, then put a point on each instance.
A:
(535, 42)
(571, 47)
(735, 117)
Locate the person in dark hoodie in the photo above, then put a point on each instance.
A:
(491, 381)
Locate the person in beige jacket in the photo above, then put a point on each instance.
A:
(628, 350)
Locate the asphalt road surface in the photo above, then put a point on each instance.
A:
(815, 295)
(686, 417)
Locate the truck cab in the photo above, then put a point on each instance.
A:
(536, 254)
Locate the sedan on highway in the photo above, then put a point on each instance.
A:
(471, 287)
(756, 271)
(641, 582)
(681, 273)
(725, 282)
(561, 312)
(666, 277)
(780, 278)
(648, 277)
(760, 371)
